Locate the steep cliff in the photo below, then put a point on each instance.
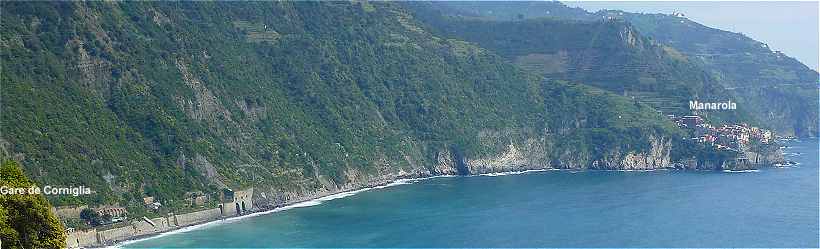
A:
(534, 155)
(296, 99)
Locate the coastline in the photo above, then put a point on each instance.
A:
(296, 204)
(399, 180)
(338, 195)
(317, 201)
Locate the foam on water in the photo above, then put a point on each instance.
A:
(308, 203)
(741, 171)
(638, 170)
(791, 154)
(176, 231)
(516, 172)
(515, 205)
(787, 165)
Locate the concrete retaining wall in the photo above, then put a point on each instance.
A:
(140, 227)
(78, 238)
(137, 228)
(198, 217)
(145, 228)
(110, 236)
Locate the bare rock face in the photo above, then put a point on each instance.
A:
(534, 154)
(657, 157)
(445, 163)
(747, 159)
(510, 160)
(208, 170)
(205, 106)
(757, 157)
(529, 156)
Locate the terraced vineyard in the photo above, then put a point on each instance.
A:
(606, 54)
(664, 104)
(257, 32)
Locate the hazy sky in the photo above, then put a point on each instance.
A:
(791, 27)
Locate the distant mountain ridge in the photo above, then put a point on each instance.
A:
(778, 91)
(782, 92)
(608, 54)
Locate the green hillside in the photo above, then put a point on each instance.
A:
(782, 92)
(609, 54)
(774, 89)
(159, 99)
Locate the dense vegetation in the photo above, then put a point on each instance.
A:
(158, 99)
(773, 89)
(26, 220)
(606, 54)
(781, 91)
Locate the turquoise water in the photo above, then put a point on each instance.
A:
(775, 207)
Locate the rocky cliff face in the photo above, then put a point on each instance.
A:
(657, 157)
(756, 157)
(749, 159)
(530, 154)
(534, 154)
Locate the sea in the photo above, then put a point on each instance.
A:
(771, 207)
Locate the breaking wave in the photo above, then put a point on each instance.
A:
(741, 171)
(308, 203)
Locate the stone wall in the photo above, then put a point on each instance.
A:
(197, 217)
(110, 236)
(160, 225)
(81, 238)
(141, 227)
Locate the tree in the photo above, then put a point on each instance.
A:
(90, 217)
(26, 220)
